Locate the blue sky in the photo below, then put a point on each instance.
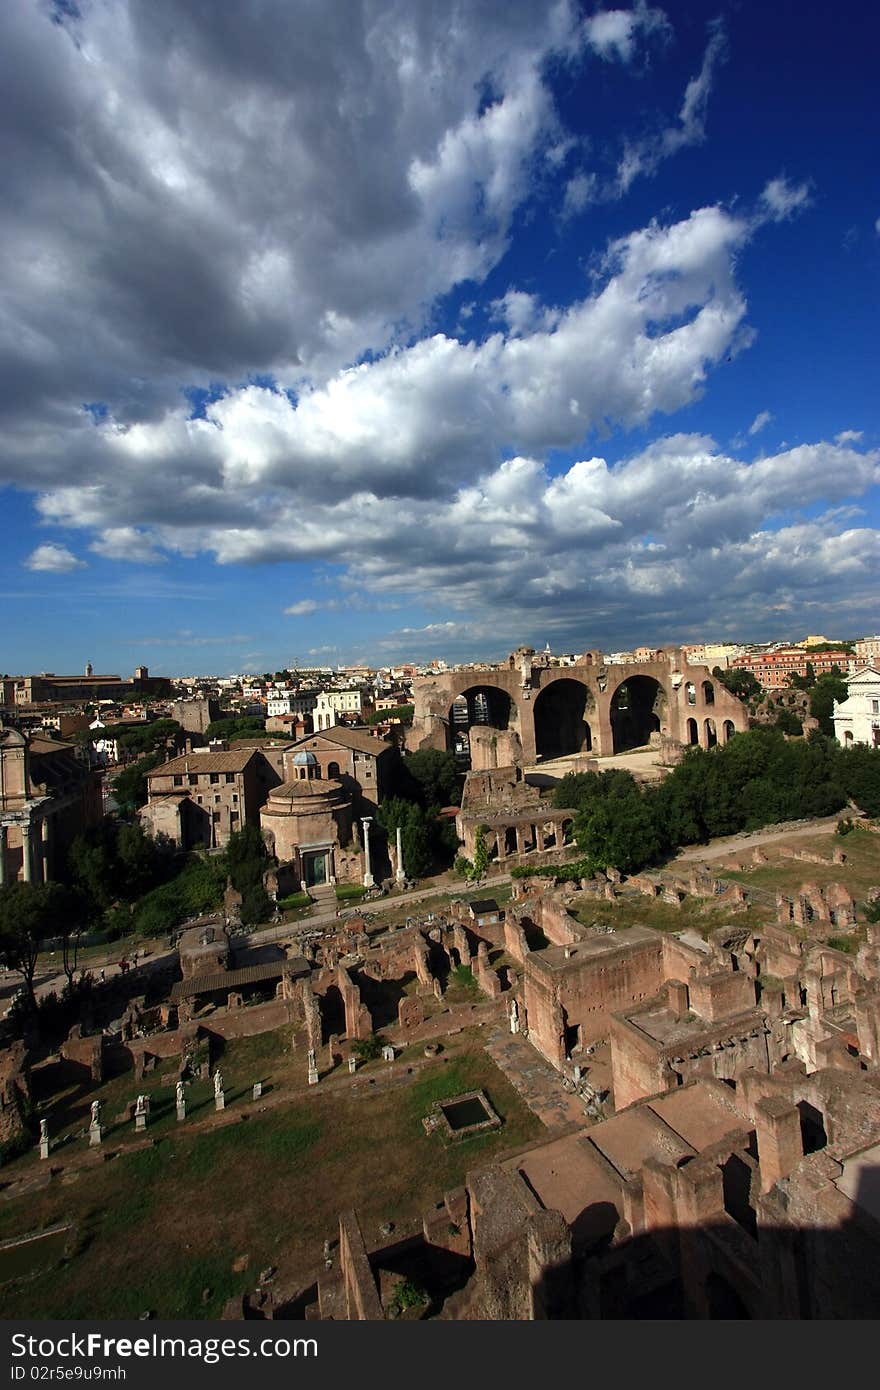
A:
(368, 331)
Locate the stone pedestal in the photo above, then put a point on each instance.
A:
(44, 1148)
(258, 1090)
(220, 1100)
(140, 1123)
(313, 1076)
(352, 1065)
(96, 1135)
(181, 1110)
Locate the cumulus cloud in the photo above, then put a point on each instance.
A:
(224, 210)
(421, 420)
(761, 419)
(849, 436)
(53, 559)
(126, 543)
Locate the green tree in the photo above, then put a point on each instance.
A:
(29, 913)
(828, 688)
(130, 787)
(434, 779)
(741, 683)
(619, 832)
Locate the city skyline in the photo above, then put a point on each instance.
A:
(375, 338)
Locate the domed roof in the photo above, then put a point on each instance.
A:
(304, 759)
(327, 787)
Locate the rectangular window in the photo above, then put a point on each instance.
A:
(215, 778)
(235, 798)
(178, 780)
(875, 706)
(192, 779)
(230, 777)
(216, 801)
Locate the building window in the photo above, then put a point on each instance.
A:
(233, 817)
(216, 800)
(230, 777)
(199, 800)
(875, 706)
(235, 798)
(215, 778)
(192, 779)
(178, 780)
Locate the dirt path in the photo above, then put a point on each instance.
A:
(720, 849)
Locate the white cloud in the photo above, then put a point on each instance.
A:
(126, 543)
(849, 436)
(53, 559)
(613, 33)
(303, 608)
(579, 192)
(643, 157)
(761, 419)
(782, 199)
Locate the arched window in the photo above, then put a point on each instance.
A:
(332, 769)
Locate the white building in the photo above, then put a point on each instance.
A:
(331, 703)
(857, 718)
(286, 702)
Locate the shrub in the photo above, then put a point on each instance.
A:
(345, 892)
(368, 1049)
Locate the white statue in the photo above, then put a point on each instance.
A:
(44, 1131)
(218, 1082)
(96, 1112)
(312, 1059)
(180, 1097)
(140, 1105)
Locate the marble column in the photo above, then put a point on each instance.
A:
(369, 881)
(400, 875)
(26, 853)
(45, 835)
(3, 838)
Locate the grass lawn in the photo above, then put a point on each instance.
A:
(158, 1227)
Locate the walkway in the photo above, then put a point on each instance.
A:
(539, 1083)
(737, 844)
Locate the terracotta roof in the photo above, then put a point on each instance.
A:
(356, 739)
(306, 786)
(205, 762)
(231, 979)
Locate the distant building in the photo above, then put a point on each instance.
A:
(47, 798)
(195, 715)
(868, 650)
(773, 669)
(857, 718)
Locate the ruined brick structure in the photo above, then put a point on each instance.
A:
(546, 711)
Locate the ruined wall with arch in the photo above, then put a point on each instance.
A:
(593, 706)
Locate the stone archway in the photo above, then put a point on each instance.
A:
(638, 710)
(486, 706)
(561, 719)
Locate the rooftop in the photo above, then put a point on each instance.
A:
(205, 762)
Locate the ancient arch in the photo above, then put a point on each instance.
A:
(693, 735)
(638, 710)
(708, 693)
(729, 730)
(710, 732)
(561, 723)
(485, 705)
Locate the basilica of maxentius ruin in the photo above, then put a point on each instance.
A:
(702, 1052)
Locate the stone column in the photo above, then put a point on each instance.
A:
(26, 852)
(539, 837)
(369, 882)
(400, 875)
(520, 849)
(45, 835)
(3, 839)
